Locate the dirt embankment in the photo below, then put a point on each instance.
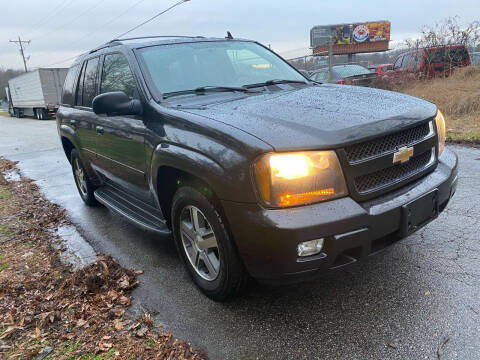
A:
(457, 96)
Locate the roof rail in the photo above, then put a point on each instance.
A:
(106, 45)
(157, 36)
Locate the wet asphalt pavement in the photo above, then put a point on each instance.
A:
(400, 304)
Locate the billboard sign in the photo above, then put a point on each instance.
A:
(354, 37)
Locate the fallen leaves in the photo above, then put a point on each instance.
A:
(10, 330)
(117, 324)
(45, 306)
(104, 346)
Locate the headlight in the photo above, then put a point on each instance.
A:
(441, 131)
(298, 178)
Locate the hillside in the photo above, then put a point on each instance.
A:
(457, 96)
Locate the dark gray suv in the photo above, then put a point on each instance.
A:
(256, 170)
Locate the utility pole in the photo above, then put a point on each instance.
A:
(20, 43)
(330, 58)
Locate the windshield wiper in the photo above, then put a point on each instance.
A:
(274, 82)
(204, 89)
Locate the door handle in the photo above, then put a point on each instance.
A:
(100, 130)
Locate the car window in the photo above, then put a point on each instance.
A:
(416, 60)
(406, 61)
(445, 54)
(344, 71)
(87, 87)
(79, 94)
(187, 66)
(398, 62)
(116, 75)
(68, 86)
(321, 76)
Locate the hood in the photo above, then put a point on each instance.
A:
(319, 117)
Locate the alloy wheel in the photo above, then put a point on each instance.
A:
(200, 243)
(81, 178)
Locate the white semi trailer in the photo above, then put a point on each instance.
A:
(36, 93)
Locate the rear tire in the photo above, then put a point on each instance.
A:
(217, 269)
(44, 114)
(85, 187)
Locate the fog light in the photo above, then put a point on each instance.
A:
(309, 248)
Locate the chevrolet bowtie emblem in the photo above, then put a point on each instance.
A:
(403, 155)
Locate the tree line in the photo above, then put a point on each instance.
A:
(5, 75)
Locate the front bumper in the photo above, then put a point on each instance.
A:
(267, 239)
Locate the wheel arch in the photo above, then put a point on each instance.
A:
(68, 146)
(170, 178)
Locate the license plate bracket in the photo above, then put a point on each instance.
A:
(419, 212)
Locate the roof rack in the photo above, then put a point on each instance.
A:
(106, 45)
(158, 36)
(116, 42)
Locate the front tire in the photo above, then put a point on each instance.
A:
(84, 185)
(205, 245)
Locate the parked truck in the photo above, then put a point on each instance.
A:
(36, 93)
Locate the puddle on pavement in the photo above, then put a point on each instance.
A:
(78, 252)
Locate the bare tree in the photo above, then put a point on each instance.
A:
(5, 75)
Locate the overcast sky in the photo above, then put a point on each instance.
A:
(60, 29)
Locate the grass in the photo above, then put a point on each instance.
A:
(66, 353)
(467, 136)
(5, 195)
(4, 113)
(458, 97)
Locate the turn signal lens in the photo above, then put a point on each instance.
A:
(441, 131)
(299, 178)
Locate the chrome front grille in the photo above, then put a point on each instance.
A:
(383, 145)
(385, 177)
(370, 168)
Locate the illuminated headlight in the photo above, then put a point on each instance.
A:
(309, 248)
(441, 131)
(299, 178)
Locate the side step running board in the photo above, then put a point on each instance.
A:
(139, 213)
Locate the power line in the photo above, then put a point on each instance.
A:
(59, 62)
(50, 16)
(20, 43)
(113, 20)
(70, 22)
(42, 19)
(152, 18)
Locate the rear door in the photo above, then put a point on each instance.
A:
(120, 142)
(80, 115)
(397, 68)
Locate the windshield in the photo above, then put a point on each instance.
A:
(345, 71)
(186, 66)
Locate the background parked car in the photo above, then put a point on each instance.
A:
(429, 62)
(350, 74)
(381, 69)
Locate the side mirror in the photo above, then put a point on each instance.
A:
(116, 103)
